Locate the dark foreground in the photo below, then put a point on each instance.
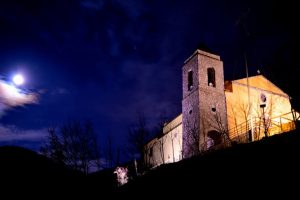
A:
(269, 167)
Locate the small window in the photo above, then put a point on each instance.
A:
(213, 109)
(211, 77)
(190, 111)
(190, 80)
(263, 98)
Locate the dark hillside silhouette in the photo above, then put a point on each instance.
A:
(23, 169)
(267, 166)
(38, 176)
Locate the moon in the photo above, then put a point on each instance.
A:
(18, 79)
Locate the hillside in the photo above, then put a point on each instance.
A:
(271, 164)
(34, 175)
(23, 169)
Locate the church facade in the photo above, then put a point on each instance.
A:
(218, 113)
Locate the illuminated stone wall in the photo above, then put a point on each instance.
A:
(209, 108)
(204, 103)
(261, 91)
(190, 104)
(168, 147)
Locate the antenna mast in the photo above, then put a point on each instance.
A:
(241, 22)
(249, 101)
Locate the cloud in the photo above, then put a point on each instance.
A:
(60, 91)
(10, 97)
(12, 133)
(92, 4)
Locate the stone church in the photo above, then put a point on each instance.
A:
(218, 113)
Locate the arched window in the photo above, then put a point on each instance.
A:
(190, 80)
(211, 77)
(214, 138)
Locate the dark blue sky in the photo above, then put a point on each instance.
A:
(108, 60)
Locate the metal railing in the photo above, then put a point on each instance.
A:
(246, 132)
(258, 128)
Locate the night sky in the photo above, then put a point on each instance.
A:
(107, 61)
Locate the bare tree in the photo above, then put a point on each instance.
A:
(162, 149)
(172, 143)
(73, 144)
(253, 119)
(158, 132)
(244, 109)
(138, 136)
(109, 152)
(118, 156)
(54, 147)
(234, 113)
(216, 122)
(264, 112)
(193, 137)
(179, 143)
(162, 119)
(295, 114)
(149, 157)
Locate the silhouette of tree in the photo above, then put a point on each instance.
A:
(216, 122)
(109, 152)
(74, 144)
(158, 129)
(54, 148)
(193, 137)
(138, 135)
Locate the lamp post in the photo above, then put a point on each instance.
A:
(264, 118)
(293, 112)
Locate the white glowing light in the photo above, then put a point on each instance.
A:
(18, 79)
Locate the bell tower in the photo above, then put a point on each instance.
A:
(204, 114)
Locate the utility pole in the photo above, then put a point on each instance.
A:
(240, 21)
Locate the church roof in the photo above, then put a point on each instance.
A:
(204, 53)
(172, 124)
(261, 82)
